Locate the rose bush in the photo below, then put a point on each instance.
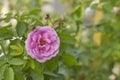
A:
(82, 46)
(42, 43)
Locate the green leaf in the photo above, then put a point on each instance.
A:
(36, 19)
(19, 74)
(36, 76)
(16, 61)
(69, 59)
(38, 67)
(16, 50)
(107, 53)
(2, 70)
(32, 64)
(51, 74)
(34, 11)
(5, 33)
(67, 38)
(2, 62)
(21, 28)
(9, 74)
(77, 10)
(53, 61)
(62, 70)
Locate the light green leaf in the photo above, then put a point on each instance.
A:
(16, 61)
(32, 64)
(2, 70)
(16, 50)
(9, 74)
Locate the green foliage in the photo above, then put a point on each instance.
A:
(69, 59)
(86, 52)
(2, 71)
(5, 33)
(9, 74)
(37, 76)
(16, 61)
(53, 62)
(16, 50)
(21, 28)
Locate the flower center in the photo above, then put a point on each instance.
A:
(42, 42)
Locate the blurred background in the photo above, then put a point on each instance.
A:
(89, 32)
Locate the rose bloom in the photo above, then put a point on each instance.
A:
(42, 43)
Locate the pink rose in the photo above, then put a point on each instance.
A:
(42, 43)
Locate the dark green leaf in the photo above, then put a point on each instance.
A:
(38, 67)
(35, 18)
(2, 62)
(5, 33)
(34, 11)
(51, 74)
(54, 62)
(19, 75)
(69, 59)
(21, 28)
(67, 38)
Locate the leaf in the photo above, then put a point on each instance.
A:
(116, 53)
(62, 70)
(16, 50)
(69, 59)
(9, 74)
(34, 11)
(53, 61)
(94, 2)
(5, 33)
(36, 76)
(21, 28)
(32, 64)
(2, 70)
(50, 73)
(107, 53)
(38, 67)
(67, 38)
(16, 61)
(2, 62)
(19, 74)
(35, 18)
(77, 10)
